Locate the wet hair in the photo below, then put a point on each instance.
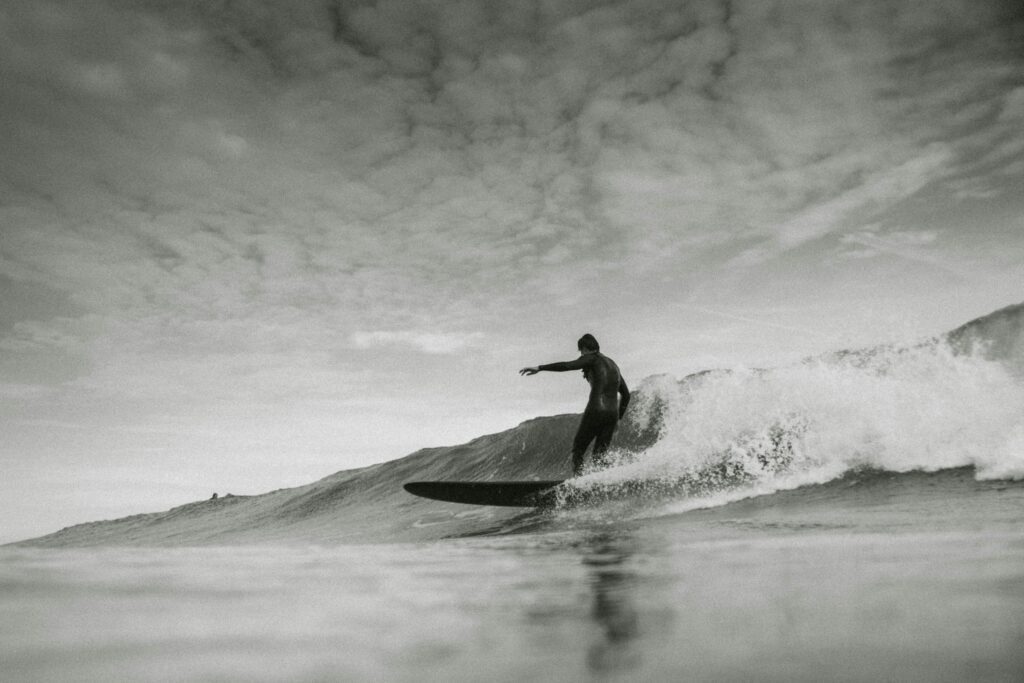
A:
(588, 343)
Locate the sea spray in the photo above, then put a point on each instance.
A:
(728, 434)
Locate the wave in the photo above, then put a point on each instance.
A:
(953, 401)
(707, 440)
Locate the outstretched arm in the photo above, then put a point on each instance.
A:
(578, 364)
(623, 397)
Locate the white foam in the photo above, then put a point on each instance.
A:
(747, 432)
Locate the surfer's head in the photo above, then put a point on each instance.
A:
(588, 343)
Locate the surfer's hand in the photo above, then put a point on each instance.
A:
(529, 371)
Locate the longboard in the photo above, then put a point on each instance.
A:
(508, 493)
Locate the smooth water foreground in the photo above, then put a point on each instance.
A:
(656, 600)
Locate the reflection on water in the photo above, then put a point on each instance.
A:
(606, 556)
(610, 603)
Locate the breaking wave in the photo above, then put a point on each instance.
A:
(951, 402)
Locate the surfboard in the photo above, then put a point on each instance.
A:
(508, 493)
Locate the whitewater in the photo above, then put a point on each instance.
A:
(854, 516)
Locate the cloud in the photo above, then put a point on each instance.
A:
(427, 342)
(256, 177)
(756, 322)
(918, 246)
(1013, 106)
(23, 392)
(863, 201)
(513, 131)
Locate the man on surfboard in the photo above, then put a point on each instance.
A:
(604, 408)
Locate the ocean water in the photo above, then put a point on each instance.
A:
(726, 597)
(854, 517)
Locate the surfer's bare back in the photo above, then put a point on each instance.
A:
(604, 408)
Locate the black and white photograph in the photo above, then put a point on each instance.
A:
(511, 340)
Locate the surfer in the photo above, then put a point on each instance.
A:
(604, 408)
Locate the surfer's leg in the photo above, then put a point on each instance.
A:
(603, 439)
(584, 435)
(579, 452)
(577, 461)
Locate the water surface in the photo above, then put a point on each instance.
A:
(662, 600)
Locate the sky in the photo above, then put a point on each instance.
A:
(246, 244)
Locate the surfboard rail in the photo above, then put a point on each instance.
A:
(504, 493)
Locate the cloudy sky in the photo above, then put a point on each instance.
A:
(245, 244)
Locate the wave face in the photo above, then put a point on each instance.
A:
(998, 336)
(949, 403)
